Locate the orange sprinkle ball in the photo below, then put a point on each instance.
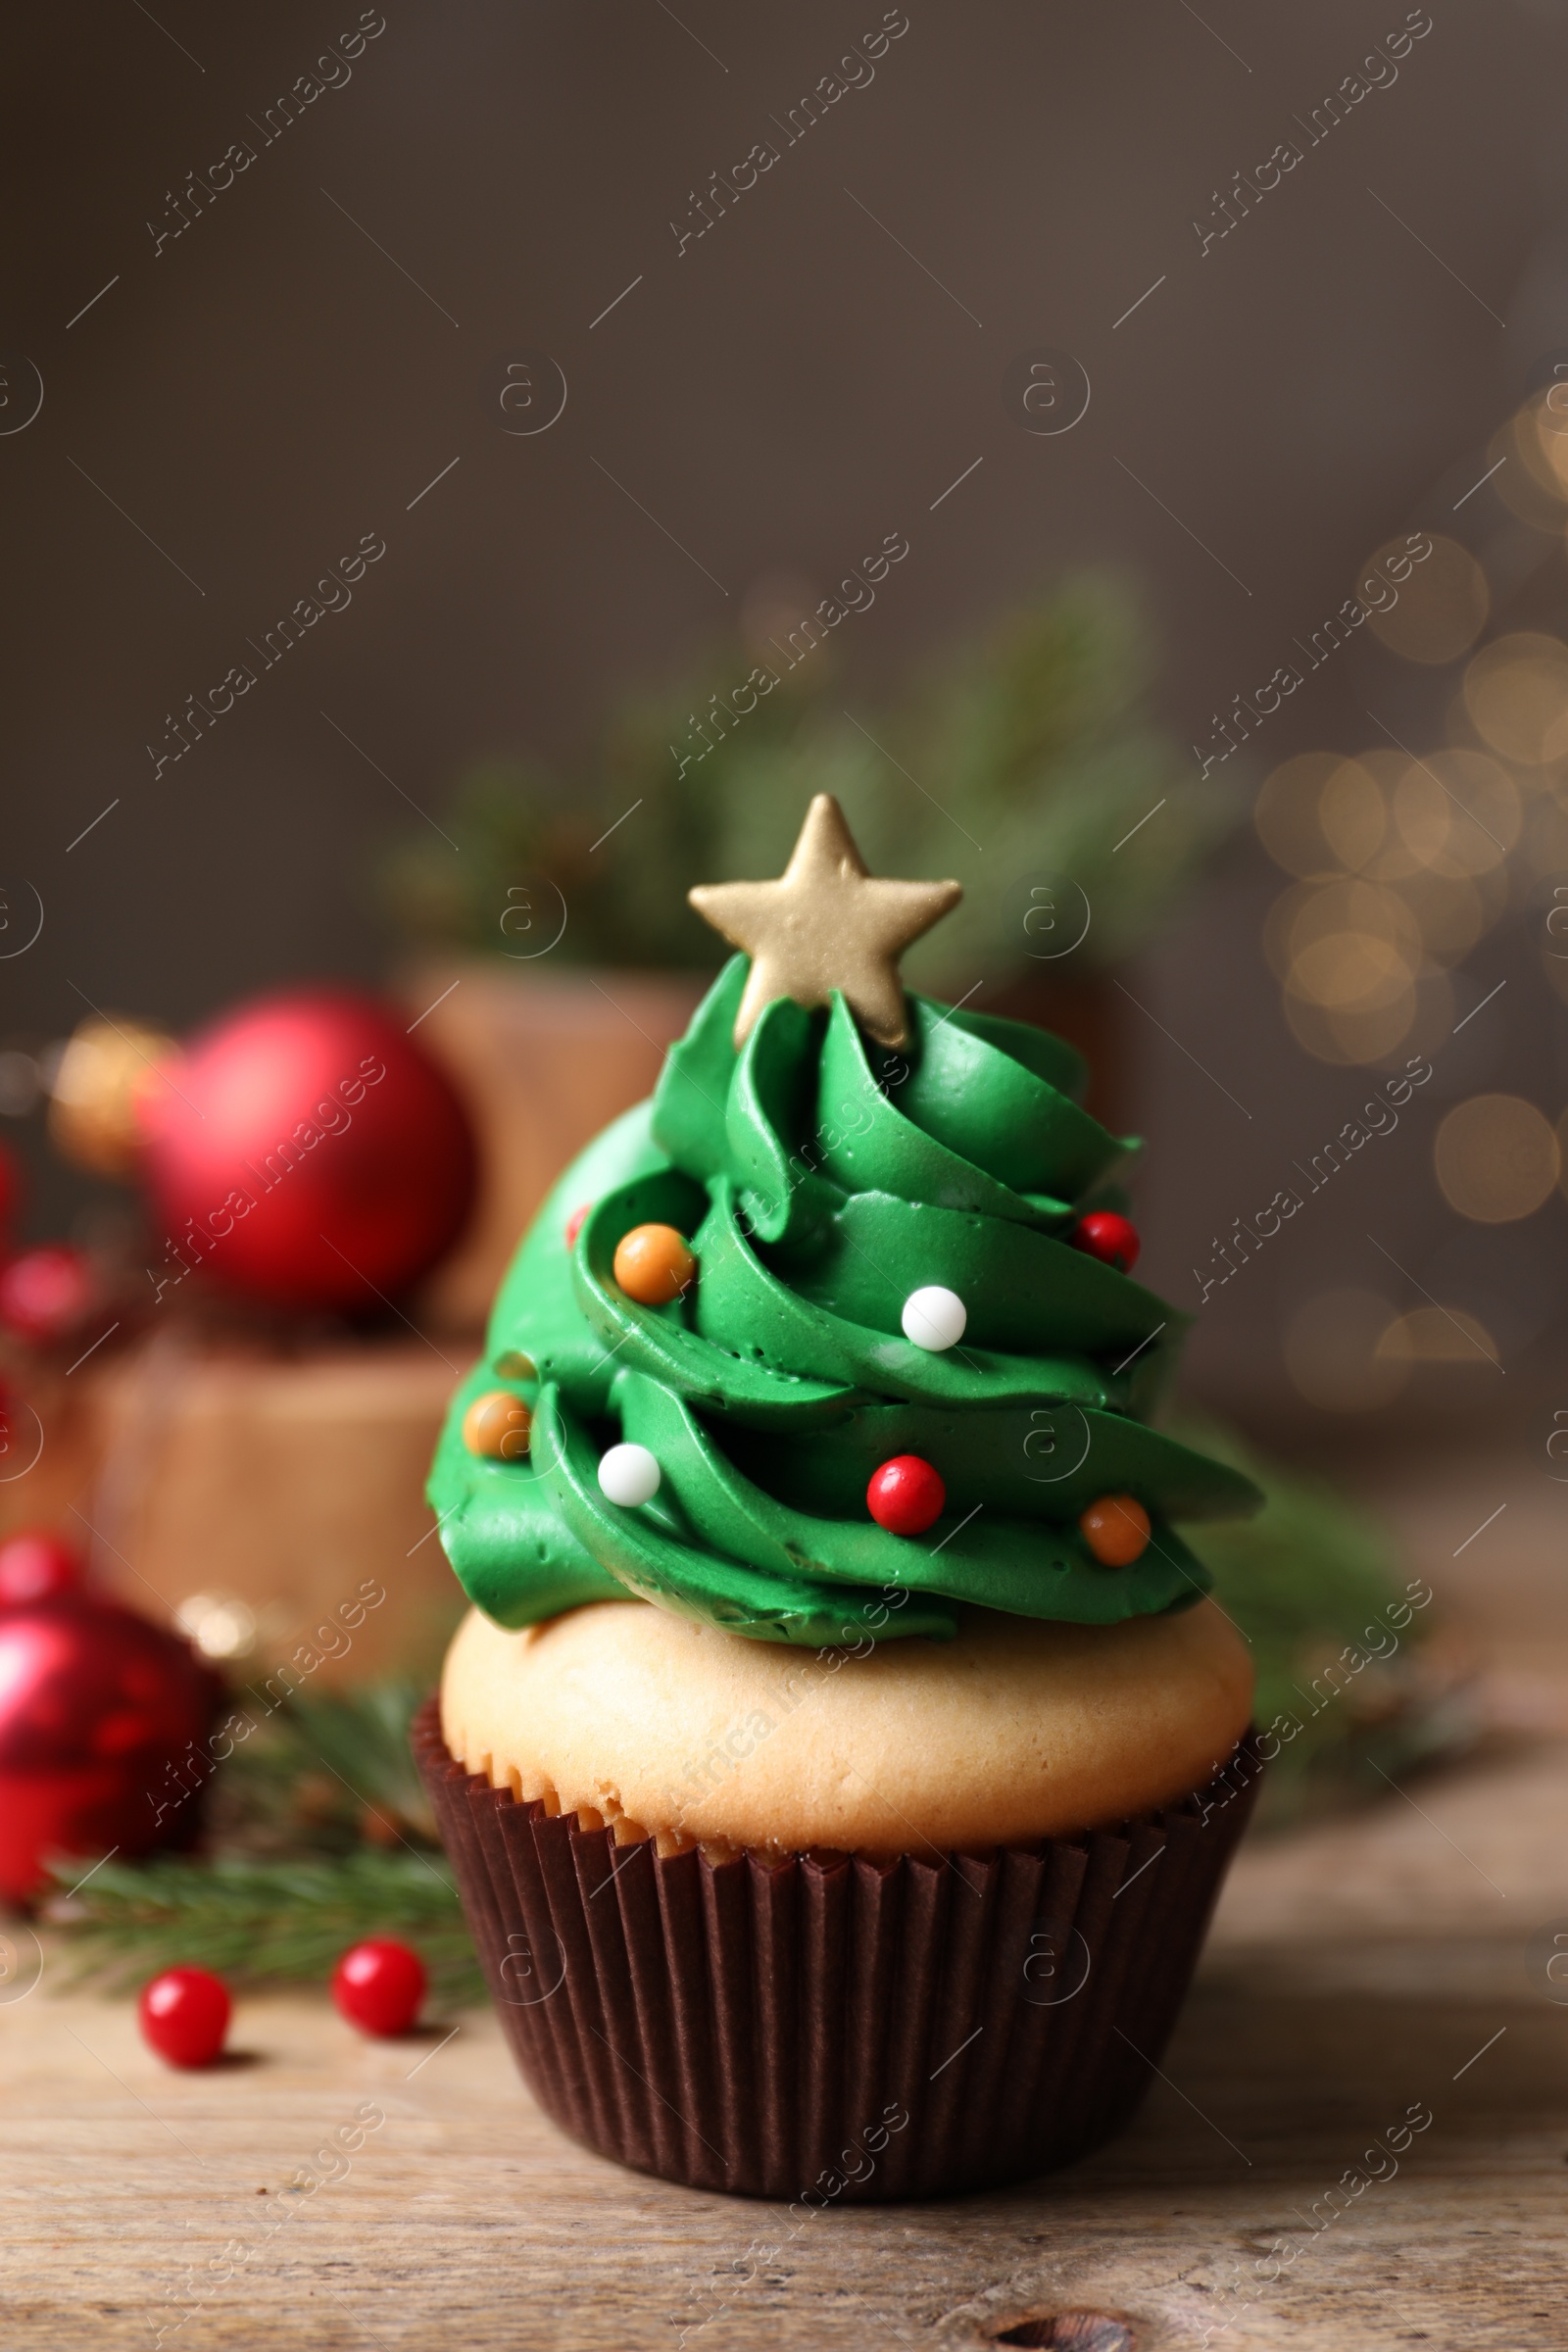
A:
(652, 1264)
(498, 1426)
(1115, 1529)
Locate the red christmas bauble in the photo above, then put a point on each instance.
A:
(35, 1565)
(183, 2014)
(379, 1986)
(47, 1292)
(1111, 1239)
(905, 1495)
(104, 1721)
(305, 1151)
(11, 1186)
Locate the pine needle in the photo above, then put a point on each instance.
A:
(267, 1922)
(1315, 1583)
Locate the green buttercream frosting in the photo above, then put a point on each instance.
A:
(820, 1181)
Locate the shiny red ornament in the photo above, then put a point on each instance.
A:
(35, 1565)
(1111, 1239)
(11, 1187)
(46, 1293)
(305, 1151)
(185, 2015)
(104, 1723)
(905, 1495)
(379, 1986)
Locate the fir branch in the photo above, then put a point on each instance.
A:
(1310, 1580)
(266, 1921)
(324, 1770)
(1026, 752)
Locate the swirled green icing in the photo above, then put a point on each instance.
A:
(820, 1182)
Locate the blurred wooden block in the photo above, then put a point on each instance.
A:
(544, 1061)
(283, 1484)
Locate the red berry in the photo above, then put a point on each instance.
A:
(1110, 1238)
(185, 2015)
(905, 1495)
(45, 1293)
(574, 1222)
(35, 1566)
(379, 1986)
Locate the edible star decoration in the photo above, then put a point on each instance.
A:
(826, 924)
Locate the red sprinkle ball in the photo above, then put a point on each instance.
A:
(379, 1986)
(185, 2015)
(1110, 1238)
(574, 1223)
(905, 1495)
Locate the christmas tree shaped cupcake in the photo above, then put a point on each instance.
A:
(829, 1597)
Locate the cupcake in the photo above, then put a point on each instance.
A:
(841, 1758)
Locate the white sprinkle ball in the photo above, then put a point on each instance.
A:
(628, 1475)
(934, 1318)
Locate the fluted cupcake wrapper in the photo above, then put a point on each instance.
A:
(829, 2028)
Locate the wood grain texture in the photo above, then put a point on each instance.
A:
(1353, 1970)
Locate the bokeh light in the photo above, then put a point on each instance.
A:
(1401, 866)
(1451, 915)
(1496, 1158)
(1538, 439)
(1400, 857)
(1439, 1335)
(1352, 815)
(1442, 604)
(1456, 813)
(1516, 695)
(1347, 948)
(1285, 813)
(220, 1626)
(1350, 971)
(1331, 1353)
(1353, 1037)
(1546, 836)
(1310, 913)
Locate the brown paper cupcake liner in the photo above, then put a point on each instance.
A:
(826, 2027)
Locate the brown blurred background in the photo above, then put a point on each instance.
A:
(319, 355)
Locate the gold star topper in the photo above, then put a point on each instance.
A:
(826, 924)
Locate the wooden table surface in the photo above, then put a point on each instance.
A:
(1358, 1972)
